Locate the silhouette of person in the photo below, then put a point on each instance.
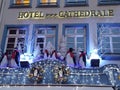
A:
(15, 58)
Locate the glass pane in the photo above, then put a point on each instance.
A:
(80, 45)
(44, 1)
(115, 31)
(70, 31)
(21, 40)
(41, 46)
(50, 39)
(40, 39)
(109, 0)
(105, 39)
(10, 45)
(105, 31)
(80, 31)
(50, 31)
(70, 39)
(115, 39)
(41, 31)
(22, 31)
(48, 1)
(70, 45)
(106, 45)
(116, 45)
(18, 1)
(75, 0)
(106, 50)
(11, 40)
(26, 1)
(53, 1)
(70, 0)
(12, 31)
(80, 39)
(116, 50)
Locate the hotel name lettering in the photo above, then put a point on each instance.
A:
(65, 14)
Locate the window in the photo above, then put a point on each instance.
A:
(76, 2)
(75, 37)
(16, 37)
(20, 3)
(108, 2)
(109, 39)
(43, 35)
(47, 3)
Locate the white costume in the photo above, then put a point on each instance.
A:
(14, 59)
(4, 61)
(13, 64)
(53, 56)
(81, 62)
(46, 54)
(69, 60)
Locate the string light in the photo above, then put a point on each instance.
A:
(106, 75)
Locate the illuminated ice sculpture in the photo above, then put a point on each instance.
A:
(95, 58)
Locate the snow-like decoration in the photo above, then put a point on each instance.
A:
(50, 47)
(94, 54)
(19, 48)
(0, 53)
(4, 61)
(37, 51)
(63, 46)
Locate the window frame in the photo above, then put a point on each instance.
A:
(7, 35)
(40, 5)
(106, 2)
(12, 5)
(86, 43)
(109, 55)
(45, 35)
(77, 3)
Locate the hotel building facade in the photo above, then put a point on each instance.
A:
(84, 24)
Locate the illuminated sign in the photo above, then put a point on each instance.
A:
(66, 14)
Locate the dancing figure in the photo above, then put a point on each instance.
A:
(46, 54)
(54, 55)
(70, 58)
(4, 61)
(82, 59)
(15, 59)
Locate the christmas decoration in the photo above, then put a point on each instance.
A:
(4, 61)
(63, 47)
(119, 77)
(37, 51)
(61, 74)
(1, 53)
(36, 73)
(54, 72)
